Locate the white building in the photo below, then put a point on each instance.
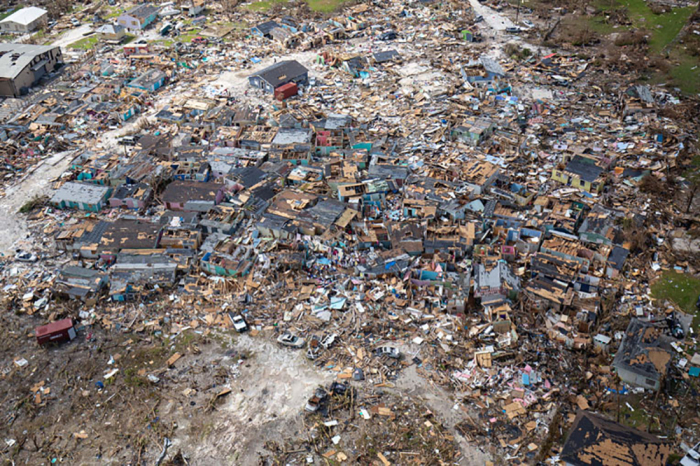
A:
(25, 20)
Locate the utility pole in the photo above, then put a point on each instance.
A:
(517, 14)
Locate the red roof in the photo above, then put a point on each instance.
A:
(54, 327)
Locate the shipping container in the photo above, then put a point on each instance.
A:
(55, 332)
(286, 91)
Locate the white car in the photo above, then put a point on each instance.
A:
(528, 24)
(293, 341)
(238, 322)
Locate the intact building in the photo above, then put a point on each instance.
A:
(138, 18)
(23, 65)
(111, 32)
(279, 74)
(25, 20)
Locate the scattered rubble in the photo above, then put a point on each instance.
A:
(437, 243)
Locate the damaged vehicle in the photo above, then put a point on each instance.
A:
(238, 322)
(388, 351)
(24, 256)
(319, 398)
(291, 340)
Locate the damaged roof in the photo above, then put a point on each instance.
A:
(183, 191)
(644, 350)
(596, 441)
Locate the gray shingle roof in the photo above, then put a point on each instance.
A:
(282, 72)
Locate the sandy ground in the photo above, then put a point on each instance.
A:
(492, 18)
(36, 183)
(266, 403)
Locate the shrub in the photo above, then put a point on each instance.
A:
(636, 37)
(658, 9)
(36, 201)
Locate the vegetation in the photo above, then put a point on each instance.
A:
(684, 74)
(693, 178)
(663, 28)
(517, 52)
(110, 12)
(639, 37)
(85, 43)
(36, 201)
(185, 38)
(658, 28)
(681, 289)
(325, 6)
(263, 5)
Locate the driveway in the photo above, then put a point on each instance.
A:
(72, 35)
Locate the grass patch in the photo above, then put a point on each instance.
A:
(600, 26)
(85, 43)
(263, 5)
(111, 12)
(188, 339)
(164, 42)
(186, 37)
(637, 419)
(681, 289)
(663, 27)
(685, 74)
(132, 379)
(39, 35)
(325, 6)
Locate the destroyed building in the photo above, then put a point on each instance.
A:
(410, 203)
(595, 440)
(22, 66)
